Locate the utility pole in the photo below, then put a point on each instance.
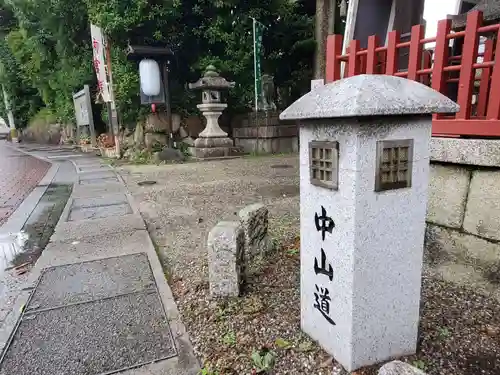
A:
(112, 114)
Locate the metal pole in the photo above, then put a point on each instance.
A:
(254, 23)
(168, 107)
(113, 118)
(255, 68)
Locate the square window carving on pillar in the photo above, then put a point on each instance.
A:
(324, 164)
(394, 164)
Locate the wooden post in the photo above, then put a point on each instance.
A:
(371, 57)
(427, 58)
(392, 56)
(494, 99)
(354, 65)
(467, 73)
(484, 83)
(415, 58)
(333, 50)
(441, 53)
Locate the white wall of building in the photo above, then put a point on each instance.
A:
(437, 10)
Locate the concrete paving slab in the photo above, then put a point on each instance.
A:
(105, 336)
(95, 190)
(95, 201)
(84, 213)
(75, 230)
(96, 175)
(90, 248)
(94, 168)
(86, 161)
(93, 181)
(89, 281)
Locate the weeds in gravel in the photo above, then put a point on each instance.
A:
(263, 360)
(293, 251)
(283, 344)
(220, 314)
(208, 371)
(444, 333)
(229, 338)
(421, 365)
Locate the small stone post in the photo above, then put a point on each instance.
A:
(364, 165)
(226, 259)
(254, 221)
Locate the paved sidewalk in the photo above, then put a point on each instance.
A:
(19, 174)
(97, 301)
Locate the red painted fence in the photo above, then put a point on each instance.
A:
(477, 74)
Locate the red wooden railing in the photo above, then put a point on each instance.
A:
(438, 69)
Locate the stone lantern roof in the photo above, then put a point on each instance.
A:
(369, 95)
(490, 9)
(211, 80)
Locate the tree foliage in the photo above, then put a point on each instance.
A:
(46, 54)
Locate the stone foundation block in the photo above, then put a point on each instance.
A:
(447, 195)
(254, 221)
(209, 152)
(482, 214)
(226, 259)
(213, 142)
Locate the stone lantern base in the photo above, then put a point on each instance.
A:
(212, 142)
(213, 147)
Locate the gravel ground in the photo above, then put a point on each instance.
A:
(459, 331)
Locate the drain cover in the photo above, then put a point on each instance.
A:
(98, 317)
(143, 183)
(105, 336)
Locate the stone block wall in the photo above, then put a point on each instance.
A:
(463, 212)
(264, 132)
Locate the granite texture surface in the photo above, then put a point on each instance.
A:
(448, 190)
(399, 368)
(480, 152)
(375, 247)
(482, 214)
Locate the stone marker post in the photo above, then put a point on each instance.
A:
(364, 164)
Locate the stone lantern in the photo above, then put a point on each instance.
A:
(212, 141)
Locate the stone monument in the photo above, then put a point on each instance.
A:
(212, 141)
(364, 165)
(262, 131)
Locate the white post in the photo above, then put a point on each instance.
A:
(364, 163)
(10, 115)
(256, 95)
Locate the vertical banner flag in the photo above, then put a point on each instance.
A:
(258, 31)
(98, 48)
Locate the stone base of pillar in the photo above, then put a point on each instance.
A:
(210, 152)
(212, 147)
(208, 142)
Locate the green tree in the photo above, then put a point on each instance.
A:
(47, 48)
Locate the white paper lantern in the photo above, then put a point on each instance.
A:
(149, 73)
